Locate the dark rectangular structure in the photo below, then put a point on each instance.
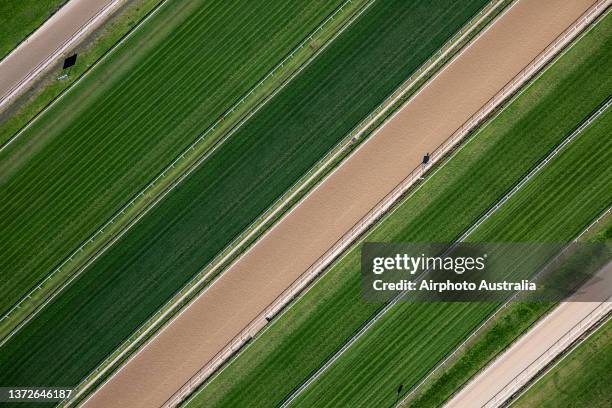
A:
(70, 61)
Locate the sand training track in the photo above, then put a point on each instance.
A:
(527, 350)
(244, 290)
(534, 350)
(47, 45)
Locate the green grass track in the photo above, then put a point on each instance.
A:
(128, 119)
(319, 323)
(227, 192)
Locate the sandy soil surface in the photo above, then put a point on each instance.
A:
(535, 343)
(48, 44)
(163, 365)
(491, 381)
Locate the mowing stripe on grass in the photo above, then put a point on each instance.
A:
(92, 244)
(78, 164)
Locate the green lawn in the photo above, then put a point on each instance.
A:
(447, 204)
(128, 119)
(581, 379)
(19, 18)
(242, 178)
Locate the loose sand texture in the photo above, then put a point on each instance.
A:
(244, 290)
(48, 44)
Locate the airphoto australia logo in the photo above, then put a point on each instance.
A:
(460, 273)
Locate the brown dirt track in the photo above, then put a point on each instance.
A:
(244, 290)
